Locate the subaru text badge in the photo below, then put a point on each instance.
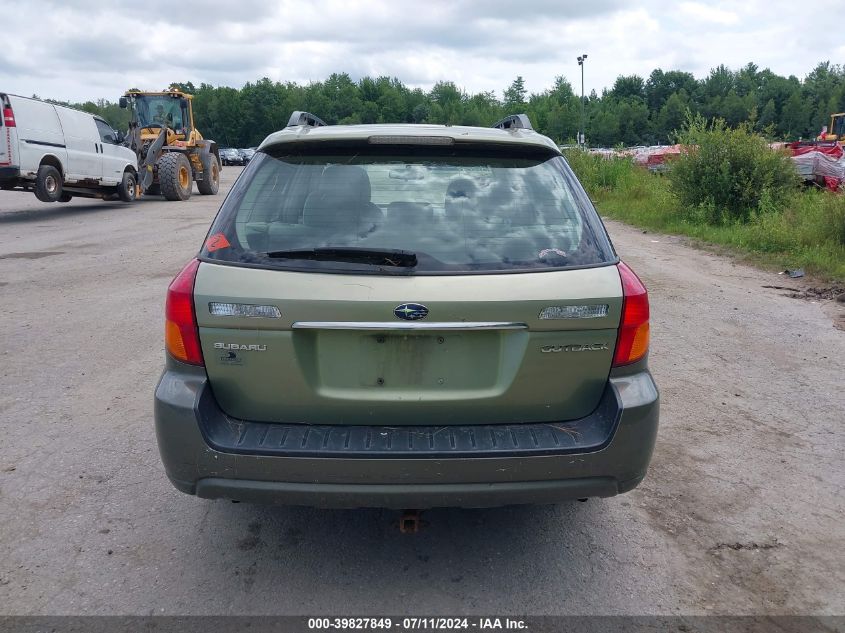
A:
(410, 311)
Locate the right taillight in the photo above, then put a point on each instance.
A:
(181, 335)
(632, 342)
(8, 117)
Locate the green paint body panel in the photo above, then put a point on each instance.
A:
(389, 376)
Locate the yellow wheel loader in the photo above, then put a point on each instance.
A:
(172, 154)
(836, 131)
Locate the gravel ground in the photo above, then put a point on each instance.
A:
(741, 513)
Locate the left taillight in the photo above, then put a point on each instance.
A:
(181, 335)
(8, 117)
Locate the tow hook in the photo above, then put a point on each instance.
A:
(409, 522)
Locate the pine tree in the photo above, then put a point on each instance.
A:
(515, 95)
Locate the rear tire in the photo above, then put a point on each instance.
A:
(127, 189)
(48, 184)
(210, 183)
(65, 197)
(175, 176)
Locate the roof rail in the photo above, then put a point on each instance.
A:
(514, 121)
(304, 118)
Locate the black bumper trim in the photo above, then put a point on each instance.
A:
(9, 173)
(399, 496)
(230, 435)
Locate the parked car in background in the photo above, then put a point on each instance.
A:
(406, 316)
(247, 154)
(231, 156)
(58, 152)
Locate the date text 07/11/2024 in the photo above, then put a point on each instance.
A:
(417, 623)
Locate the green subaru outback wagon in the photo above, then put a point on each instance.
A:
(406, 316)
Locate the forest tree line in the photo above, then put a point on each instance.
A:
(634, 111)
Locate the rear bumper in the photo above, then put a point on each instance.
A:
(208, 454)
(9, 175)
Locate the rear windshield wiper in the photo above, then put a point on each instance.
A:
(351, 254)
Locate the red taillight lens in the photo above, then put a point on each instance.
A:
(8, 117)
(180, 332)
(632, 342)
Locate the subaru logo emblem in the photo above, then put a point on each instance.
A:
(410, 312)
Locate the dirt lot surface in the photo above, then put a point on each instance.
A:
(741, 513)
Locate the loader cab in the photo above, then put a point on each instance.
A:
(150, 111)
(837, 125)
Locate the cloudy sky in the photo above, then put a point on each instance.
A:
(77, 50)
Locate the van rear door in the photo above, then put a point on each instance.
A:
(7, 122)
(39, 133)
(84, 157)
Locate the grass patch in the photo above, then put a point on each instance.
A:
(804, 228)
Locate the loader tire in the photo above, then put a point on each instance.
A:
(174, 176)
(210, 182)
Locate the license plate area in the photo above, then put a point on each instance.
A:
(422, 361)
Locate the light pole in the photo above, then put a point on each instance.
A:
(583, 131)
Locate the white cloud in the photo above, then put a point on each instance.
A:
(698, 11)
(64, 49)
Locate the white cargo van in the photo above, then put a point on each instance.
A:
(59, 152)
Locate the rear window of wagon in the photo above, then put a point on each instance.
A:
(459, 210)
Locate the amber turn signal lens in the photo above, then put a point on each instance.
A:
(173, 341)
